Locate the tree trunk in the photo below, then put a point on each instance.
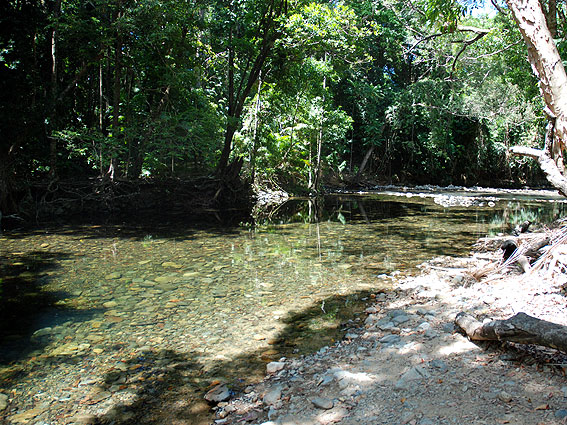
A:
(7, 204)
(250, 73)
(551, 16)
(318, 171)
(256, 134)
(548, 67)
(520, 328)
(52, 123)
(113, 167)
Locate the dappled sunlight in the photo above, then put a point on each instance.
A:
(460, 346)
(144, 319)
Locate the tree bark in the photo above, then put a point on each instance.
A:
(52, 124)
(112, 169)
(548, 67)
(520, 328)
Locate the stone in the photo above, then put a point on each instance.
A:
(345, 378)
(3, 401)
(218, 394)
(273, 395)
(164, 279)
(413, 374)
(42, 332)
(399, 319)
(505, 397)
(84, 419)
(113, 275)
(28, 415)
(110, 304)
(322, 403)
(274, 367)
(439, 364)
(171, 264)
(449, 327)
(332, 416)
(396, 313)
(561, 414)
(371, 310)
(390, 339)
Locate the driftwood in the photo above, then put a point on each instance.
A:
(520, 328)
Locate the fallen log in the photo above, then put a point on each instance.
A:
(520, 328)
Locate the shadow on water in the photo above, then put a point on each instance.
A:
(168, 387)
(153, 386)
(24, 302)
(164, 386)
(162, 224)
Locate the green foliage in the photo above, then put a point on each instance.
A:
(152, 87)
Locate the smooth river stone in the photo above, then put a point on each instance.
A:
(3, 401)
(109, 304)
(171, 264)
(114, 275)
(164, 279)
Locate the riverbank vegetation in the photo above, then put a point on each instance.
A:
(291, 94)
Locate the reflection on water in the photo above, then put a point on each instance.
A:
(101, 306)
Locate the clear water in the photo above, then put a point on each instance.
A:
(78, 302)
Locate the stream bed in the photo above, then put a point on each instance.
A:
(98, 320)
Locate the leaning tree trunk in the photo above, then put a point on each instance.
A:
(548, 67)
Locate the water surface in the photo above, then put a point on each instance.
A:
(92, 314)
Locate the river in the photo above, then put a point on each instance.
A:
(98, 319)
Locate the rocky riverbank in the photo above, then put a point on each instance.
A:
(404, 362)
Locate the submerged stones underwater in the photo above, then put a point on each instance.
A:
(100, 316)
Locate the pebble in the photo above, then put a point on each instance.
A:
(371, 319)
(390, 339)
(398, 320)
(504, 396)
(218, 394)
(113, 275)
(439, 364)
(332, 416)
(3, 401)
(415, 373)
(274, 367)
(322, 403)
(84, 419)
(273, 395)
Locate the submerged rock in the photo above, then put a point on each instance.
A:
(3, 401)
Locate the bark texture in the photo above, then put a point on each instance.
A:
(520, 328)
(548, 67)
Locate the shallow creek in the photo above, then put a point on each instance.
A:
(95, 316)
